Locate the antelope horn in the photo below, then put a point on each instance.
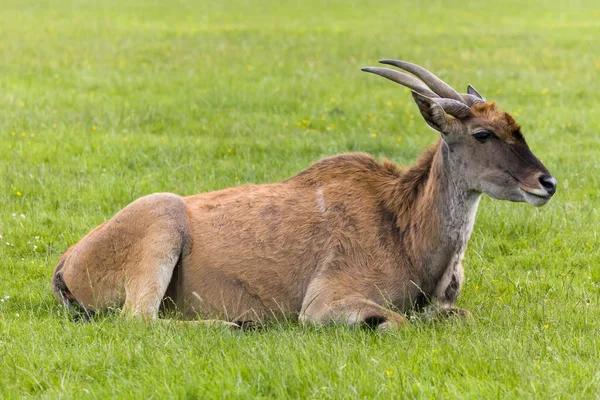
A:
(453, 107)
(471, 100)
(456, 108)
(436, 84)
(401, 78)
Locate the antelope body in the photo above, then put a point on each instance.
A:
(349, 239)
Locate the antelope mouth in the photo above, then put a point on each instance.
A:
(536, 192)
(535, 197)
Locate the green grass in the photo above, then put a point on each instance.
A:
(103, 102)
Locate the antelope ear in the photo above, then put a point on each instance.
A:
(432, 112)
(471, 90)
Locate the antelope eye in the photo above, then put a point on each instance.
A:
(483, 136)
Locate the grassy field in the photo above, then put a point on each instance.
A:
(104, 102)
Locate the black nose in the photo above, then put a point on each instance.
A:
(548, 183)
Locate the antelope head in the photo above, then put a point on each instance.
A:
(484, 145)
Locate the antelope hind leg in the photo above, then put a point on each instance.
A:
(145, 287)
(210, 322)
(159, 249)
(129, 260)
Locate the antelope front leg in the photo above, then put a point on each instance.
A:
(353, 311)
(447, 291)
(323, 305)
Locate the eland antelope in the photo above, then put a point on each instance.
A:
(349, 239)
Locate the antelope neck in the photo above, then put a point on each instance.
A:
(442, 217)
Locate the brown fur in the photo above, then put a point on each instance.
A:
(349, 239)
(499, 121)
(242, 237)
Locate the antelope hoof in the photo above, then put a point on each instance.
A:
(248, 325)
(232, 326)
(457, 312)
(392, 325)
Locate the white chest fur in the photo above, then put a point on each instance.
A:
(456, 233)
